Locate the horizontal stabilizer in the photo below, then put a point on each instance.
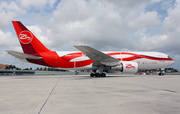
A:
(20, 56)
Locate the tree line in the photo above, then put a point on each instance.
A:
(13, 67)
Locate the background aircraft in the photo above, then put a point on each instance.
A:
(88, 59)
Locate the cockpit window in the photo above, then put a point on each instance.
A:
(169, 57)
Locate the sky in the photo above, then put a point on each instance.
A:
(106, 25)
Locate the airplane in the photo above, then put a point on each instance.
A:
(88, 58)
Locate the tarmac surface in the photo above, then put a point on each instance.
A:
(81, 94)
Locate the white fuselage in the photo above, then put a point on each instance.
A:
(145, 60)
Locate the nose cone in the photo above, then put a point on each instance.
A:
(171, 61)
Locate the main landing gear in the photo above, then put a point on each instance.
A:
(98, 75)
(98, 72)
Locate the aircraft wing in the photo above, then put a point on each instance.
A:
(96, 55)
(21, 56)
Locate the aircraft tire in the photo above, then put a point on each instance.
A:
(161, 74)
(103, 75)
(92, 74)
(97, 75)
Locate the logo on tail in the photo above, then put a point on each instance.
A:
(25, 37)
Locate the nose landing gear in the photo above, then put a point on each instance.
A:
(162, 72)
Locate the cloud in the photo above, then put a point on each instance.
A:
(166, 4)
(38, 4)
(8, 11)
(168, 40)
(171, 22)
(7, 39)
(144, 20)
(91, 23)
(171, 25)
(41, 33)
(151, 43)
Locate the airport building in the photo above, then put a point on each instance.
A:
(2, 66)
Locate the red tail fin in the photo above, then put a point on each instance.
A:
(29, 43)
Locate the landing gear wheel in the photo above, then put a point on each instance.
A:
(103, 75)
(97, 75)
(92, 74)
(161, 74)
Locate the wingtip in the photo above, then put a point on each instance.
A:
(7, 51)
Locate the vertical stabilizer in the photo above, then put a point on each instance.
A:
(29, 43)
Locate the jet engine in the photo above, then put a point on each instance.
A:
(126, 67)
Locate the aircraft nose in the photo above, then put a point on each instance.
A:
(171, 61)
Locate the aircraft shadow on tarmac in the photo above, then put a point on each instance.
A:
(88, 77)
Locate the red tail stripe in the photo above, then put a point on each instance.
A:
(21, 26)
(35, 46)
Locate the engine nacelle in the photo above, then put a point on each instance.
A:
(126, 67)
